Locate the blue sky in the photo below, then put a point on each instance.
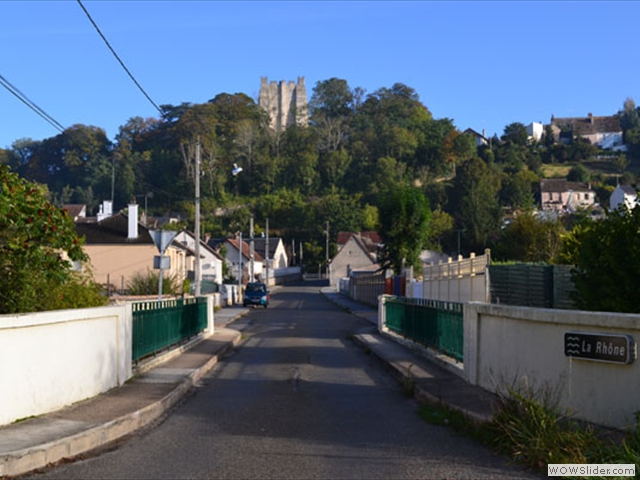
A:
(482, 64)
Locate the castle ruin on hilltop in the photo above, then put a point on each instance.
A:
(285, 102)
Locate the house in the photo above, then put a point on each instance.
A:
(353, 255)
(480, 138)
(277, 255)
(76, 211)
(237, 252)
(559, 195)
(119, 247)
(371, 239)
(535, 131)
(605, 132)
(210, 260)
(623, 194)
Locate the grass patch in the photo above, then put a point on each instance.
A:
(555, 170)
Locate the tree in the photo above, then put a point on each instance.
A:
(517, 190)
(331, 99)
(476, 204)
(579, 173)
(529, 239)
(35, 238)
(440, 225)
(606, 257)
(404, 226)
(515, 133)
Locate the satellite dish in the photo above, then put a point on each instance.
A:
(236, 169)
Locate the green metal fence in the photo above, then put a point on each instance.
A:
(158, 325)
(433, 323)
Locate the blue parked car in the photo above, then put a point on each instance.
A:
(256, 293)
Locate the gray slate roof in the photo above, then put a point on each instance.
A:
(111, 231)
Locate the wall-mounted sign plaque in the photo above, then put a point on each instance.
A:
(604, 347)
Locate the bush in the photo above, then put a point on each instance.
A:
(36, 241)
(147, 284)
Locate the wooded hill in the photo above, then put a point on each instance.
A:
(356, 146)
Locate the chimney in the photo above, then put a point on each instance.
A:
(133, 221)
(590, 117)
(106, 210)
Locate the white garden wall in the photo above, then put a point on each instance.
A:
(520, 346)
(53, 359)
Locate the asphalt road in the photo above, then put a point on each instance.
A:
(297, 399)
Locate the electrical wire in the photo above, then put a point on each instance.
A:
(29, 103)
(117, 57)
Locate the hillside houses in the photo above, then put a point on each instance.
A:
(605, 132)
(558, 195)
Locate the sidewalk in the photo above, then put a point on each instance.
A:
(432, 379)
(94, 423)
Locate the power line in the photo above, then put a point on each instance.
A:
(24, 99)
(117, 57)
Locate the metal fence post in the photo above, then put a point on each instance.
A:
(382, 314)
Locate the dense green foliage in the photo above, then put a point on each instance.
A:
(404, 227)
(606, 257)
(529, 239)
(36, 239)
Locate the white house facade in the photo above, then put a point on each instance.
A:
(623, 194)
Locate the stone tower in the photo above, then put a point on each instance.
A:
(286, 103)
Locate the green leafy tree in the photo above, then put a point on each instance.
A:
(441, 224)
(530, 239)
(606, 257)
(475, 203)
(579, 173)
(404, 226)
(515, 133)
(35, 238)
(517, 190)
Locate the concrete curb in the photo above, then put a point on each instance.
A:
(29, 459)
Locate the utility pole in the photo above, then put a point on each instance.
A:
(113, 179)
(197, 227)
(266, 250)
(251, 250)
(327, 250)
(240, 264)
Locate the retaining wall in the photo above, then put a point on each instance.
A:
(53, 359)
(525, 347)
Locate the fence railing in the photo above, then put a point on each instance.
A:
(434, 323)
(367, 288)
(461, 280)
(462, 267)
(158, 325)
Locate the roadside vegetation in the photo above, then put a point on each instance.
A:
(532, 431)
(147, 284)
